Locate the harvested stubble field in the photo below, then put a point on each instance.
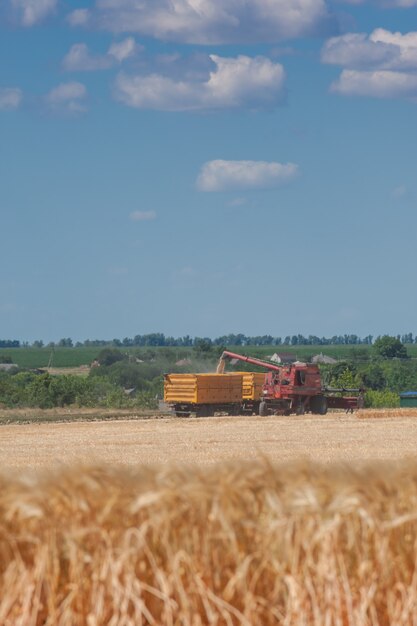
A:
(113, 529)
(331, 438)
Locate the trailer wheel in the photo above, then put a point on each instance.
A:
(263, 409)
(204, 411)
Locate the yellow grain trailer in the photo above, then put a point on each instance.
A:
(252, 385)
(203, 394)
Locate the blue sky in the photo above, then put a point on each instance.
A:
(203, 167)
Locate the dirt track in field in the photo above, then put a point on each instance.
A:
(331, 438)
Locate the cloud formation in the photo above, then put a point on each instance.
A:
(67, 98)
(401, 4)
(241, 82)
(123, 49)
(381, 50)
(379, 84)
(10, 98)
(79, 17)
(80, 59)
(382, 64)
(399, 192)
(142, 216)
(222, 175)
(212, 21)
(30, 12)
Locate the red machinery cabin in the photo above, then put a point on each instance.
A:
(294, 389)
(301, 380)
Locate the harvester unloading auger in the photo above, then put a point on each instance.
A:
(295, 388)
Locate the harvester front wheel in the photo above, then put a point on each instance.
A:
(318, 405)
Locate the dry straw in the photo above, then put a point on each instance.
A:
(386, 413)
(229, 544)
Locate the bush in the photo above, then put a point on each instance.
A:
(10, 394)
(146, 400)
(46, 391)
(381, 399)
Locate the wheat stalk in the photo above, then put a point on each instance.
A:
(250, 544)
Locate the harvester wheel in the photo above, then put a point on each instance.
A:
(263, 409)
(318, 405)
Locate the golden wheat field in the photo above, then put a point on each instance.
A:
(194, 522)
(233, 543)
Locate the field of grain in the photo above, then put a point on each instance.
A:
(237, 543)
(253, 521)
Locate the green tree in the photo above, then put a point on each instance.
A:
(343, 375)
(389, 347)
(108, 356)
(66, 342)
(373, 377)
(202, 345)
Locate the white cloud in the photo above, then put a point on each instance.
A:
(67, 97)
(142, 216)
(30, 12)
(399, 192)
(231, 175)
(234, 83)
(378, 84)
(79, 17)
(123, 49)
(80, 59)
(381, 65)
(381, 50)
(355, 50)
(235, 202)
(401, 4)
(215, 21)
(10, 98)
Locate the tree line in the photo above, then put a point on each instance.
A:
(134, 378)
(159, 339)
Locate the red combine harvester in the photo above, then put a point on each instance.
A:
(296, 388)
